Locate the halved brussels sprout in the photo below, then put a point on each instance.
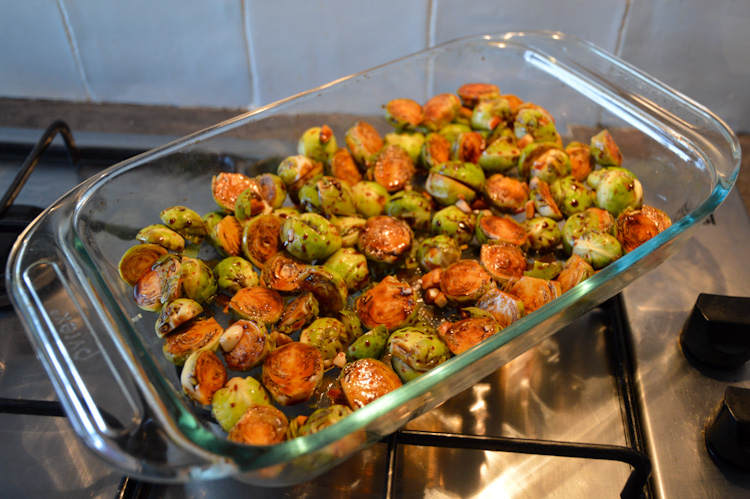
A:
(465, 282)
(507, 194)
(580, 160)
(435, 150)
(160, 284)
(412, 207)
(251, 203)
(366, 380)
(591, 219)
(329, 336)
(472, 93)
(226, 188)
(245, 344)
(635, 227)
(327, 196)
(185, 222)
(296, 171)
(163, 236)
(391, 167)
(283, 272)
(544, 203)
(504, 307)
(543, 234)
(414, 352)
(492, 228)
(544, 269)
(310, 237)
(537, 123)
(440, 110)
(447, 190)
(438, 252)
(343, 167)
(575, 271)
(226, 235)
(369, 198)
(468, 174)
(363, 141)
(467, 147)
(175, 313)
(534, 292)
(570, 195)
(349, 228)
(317, 143)
(234, 273)
(231, 401)
(257, 304)
(261, 238)
(451, 131)
(351, 265)
(617, 191)
(452, 222)
(385, 239)
(203, 375)
(546, 161)
(138, 260)
(198, 282)
(503, 261)
(462, 335)
(391, 303)
(272, 189)
(500, 155)
(599, 249)
(200, 334)
(403, 114)
(604, 150)
(489, 113)
(411, 142)
(322, 418)
(328, 287)
(211, 218)
(370, 345)
(260, 425)
(298, 313)
(292, 372)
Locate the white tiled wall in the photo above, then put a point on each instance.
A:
(247, 53)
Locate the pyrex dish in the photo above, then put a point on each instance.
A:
(124, 398)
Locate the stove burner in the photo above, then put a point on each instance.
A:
(14, 219)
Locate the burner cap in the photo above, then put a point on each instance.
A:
(17, 218)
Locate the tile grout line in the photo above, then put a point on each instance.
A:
(74, 49)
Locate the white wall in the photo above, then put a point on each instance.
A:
(246, 53)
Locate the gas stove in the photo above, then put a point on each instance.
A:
(606, 405)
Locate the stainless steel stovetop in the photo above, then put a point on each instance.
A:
(567, 389)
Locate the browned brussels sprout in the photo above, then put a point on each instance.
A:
(201, 334)
(390, 303)
(467, 147)
(385, 239)
(580, 160)
(366, 380)
(163, 236)
(604, 150)
(491, 113)
(232, 401)
(435, 150)
(363, 141)
(160, 284)
(298, 313)
(328, 335)
(227, 187)
(323, 418)
(403, 114)
(272, 189)
(260, 425)
(185, 222)
(226, 235)
(438, 252)
(503, 261)
(466, 333)
(504, 307)
(245, 345)
(546, 161)
(257, 304)
(544, 202)
(283, 272)
(343, 167)
(317, 143)
(575, 271)
(465, 282)
(535, 292)
(440, 110)
(472, 93)
(491, 229)
(203, 375)
(261, 238)
(296, 171)
(635, 227)
(534, 121)
(175, 313)
(251, 203)
(138, 260)
(415, 351)
(292, 372)
(391, 167)
(507, 194)
(328, 287)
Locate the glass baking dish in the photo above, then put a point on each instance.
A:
(124, 398)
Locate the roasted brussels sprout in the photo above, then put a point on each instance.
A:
(590, 219)
(200, 334)
(328, 287)
(245, 344)
(231, 402)
(534, 292)
(175, 313)
(411, 142)
(251, 203)
(570, 195)
(604, 150)
(369, 198)
(203, 375)
(472, 93)
(283, 272)
(492, 228)
(414, 352)
(391, 167)
(349, 228)
(580, 160)
(544, 204)
(226, 188)
(412, 207)
(453, 180)
(467, 147)
(464, 334)
(211, 218)
(261, 238)
(226, 236)
(351, 265)
(505, 308)
(257, 304)
(363, 141)
(343, 167)
(503, 261)
(440, 110)
(260, 425)
(599, 249)
(454, 223)
(327, 196)
(366, 380)
(390, 303)
(296, 171)
(370, 345)
(163, 236)
(465, 282)
(544, 269)
(185, 222)
(453, 130)
(328, 335)
(543, 234)
(489, 113)
(507, 194)
(575, 271)
(322, 418)
(292, 372)
(272, 189)
(298, 313)
(198, 282)
(317, 143)
(500, 155)
(310, 237)
(435, 150)
(617, 191)
(537, 123)
(438, 252)
(160, 284)
(385, 239)
(546, 161)
(138, 260)
(353, 325)
(635, 227)
(403, 114)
